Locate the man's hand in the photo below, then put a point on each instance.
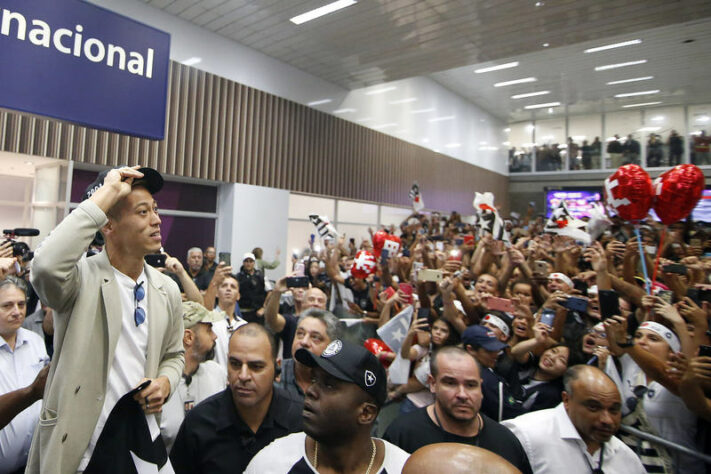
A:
(154, 396)
(117, 185)
(667, 311)
(6, 250)
(7, 266)
(173, 265)
(221, 272)
(37, 386)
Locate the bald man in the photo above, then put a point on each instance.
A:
(456, 458)
(577, 435)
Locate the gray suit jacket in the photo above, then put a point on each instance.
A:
(85, 296)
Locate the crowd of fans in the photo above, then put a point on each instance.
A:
(587, 155)
(513, 349)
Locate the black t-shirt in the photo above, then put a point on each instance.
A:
(361, 297)
(288, 333)
(416, 429)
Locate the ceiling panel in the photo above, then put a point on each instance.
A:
(384, 40)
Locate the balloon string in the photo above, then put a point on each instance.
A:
(641, 257)
(659, 253)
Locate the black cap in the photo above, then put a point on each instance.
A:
(152, 180)
(351, 363)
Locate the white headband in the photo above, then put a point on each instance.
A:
(663, 332)
(498, 322)
(563, 277)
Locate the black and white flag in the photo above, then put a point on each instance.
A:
(325, 229)
(562, 222)
(417, 203)
(487, 217)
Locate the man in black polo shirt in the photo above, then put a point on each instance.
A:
(454, 417)
(224, 432)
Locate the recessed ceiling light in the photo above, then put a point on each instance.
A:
(344, 111)
(385, 125)
(702, 118)
(612, 46)
(425, 140)
(615, 66)
(540, 4)
(545, 45)
(321, 11)
(422, 111)
(641, 104)
(517, 81)
(634, 79)
(542, 106)
(319, 102)
(649, 129)
(191, 61)
(632, 94)
(529, 94)
(403, 101)
(507, 129)
(496, 68)
(442, 119)
(658, 118)
(382, 90)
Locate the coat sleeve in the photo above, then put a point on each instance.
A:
(55, 270)
(173, 353)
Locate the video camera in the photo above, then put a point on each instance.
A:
(21, 249)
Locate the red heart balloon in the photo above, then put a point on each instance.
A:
(383, 240)
(628, 192)
(677, 192)
(363, 265)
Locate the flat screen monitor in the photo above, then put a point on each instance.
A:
(579, 202)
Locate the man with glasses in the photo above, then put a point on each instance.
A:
(118, 322)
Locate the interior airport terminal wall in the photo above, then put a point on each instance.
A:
(220, 130)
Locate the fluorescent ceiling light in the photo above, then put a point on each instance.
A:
(658, 118)
(192, 61)
(385, 125)
(365, 119)
(517, 81)
(422, 111)
(649, 129)
(703, 118)
(615, 66)
(403, 101)
(634, 79)
(508, 129)
(542, 106)
(319, 102)
(641, 105)
(441, 119)
(632, 94)
(612, 46)
(496, 68)
(529, 94)
(381, 90)
(343, 111)
(321, 11)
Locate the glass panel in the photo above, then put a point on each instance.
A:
(585, 131)
(623, 136)
(699, 140)
(551, 147)
(357, 212)
(358, 232)
(393, 215)
(297, 238)
(181, 233)
(301, 206)
(520, 146)
(663, 132)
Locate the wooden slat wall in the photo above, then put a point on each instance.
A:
(219, 130)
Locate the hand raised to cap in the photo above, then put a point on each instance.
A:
(117, 185)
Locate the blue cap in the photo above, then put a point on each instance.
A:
(480, 336)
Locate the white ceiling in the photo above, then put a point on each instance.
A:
(376, 41)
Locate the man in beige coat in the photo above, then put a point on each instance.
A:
(117, 320)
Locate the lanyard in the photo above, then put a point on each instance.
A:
(597, 470)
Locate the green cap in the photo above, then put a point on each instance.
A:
(194, 313)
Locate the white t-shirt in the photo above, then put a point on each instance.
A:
(287, 455)
(224, 330)
(208, 380)
(129, 364)
(18, 369)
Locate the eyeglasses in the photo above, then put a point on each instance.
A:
(139, 314)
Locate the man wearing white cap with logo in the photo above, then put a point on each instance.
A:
(251, 288)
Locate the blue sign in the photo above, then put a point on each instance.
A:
(75, 61)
